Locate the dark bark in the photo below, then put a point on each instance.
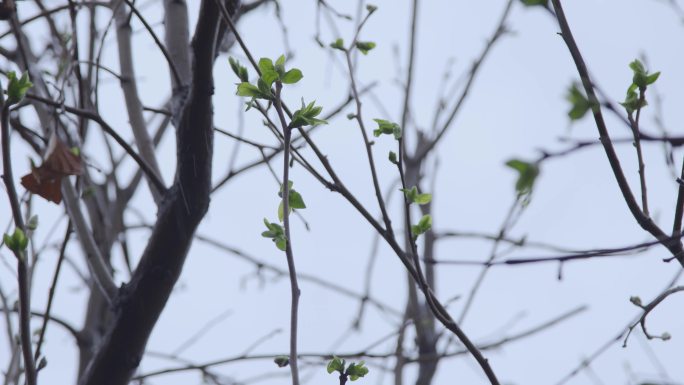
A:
(140, 302)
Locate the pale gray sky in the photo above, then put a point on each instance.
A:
(516, 107)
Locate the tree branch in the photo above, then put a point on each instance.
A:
(141, 301)
(644, 220)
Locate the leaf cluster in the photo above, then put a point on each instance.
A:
(270, 73)
(363, 46)
(294, 201)
(579, 103)
(307, 115)
(385, 127)
(17, 242)
(413, 196)
(423, 225)
(276, 233)
(640, 81)
(527, 175)
(354, 371)
(17, 87)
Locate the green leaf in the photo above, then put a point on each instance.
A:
(365, 46)
(276, 233)
(282, 361)
(338, 44)
(423, 199)
(423, 225)
(264, 88)
(413, 196)
(281, 243)
(266, 65)
(281, 211)
(371, 8)
(280, 66)
(268, 73)
(531, 3)
(307, 116)
(351, 116)
(292, 76)
(7, 240)
(249, 90)
(651, 78)
(268, 77)
(295, 200)
(335, 365)
(393, 157)
(16, 242)
(387, 127)
(32, 223)
(356, 371)
(642, 78)
(579, 104)
(637, 67)
(17, 88)
(633, 102)
(239, 70)
(527, 174)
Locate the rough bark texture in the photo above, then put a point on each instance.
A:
(140, 302)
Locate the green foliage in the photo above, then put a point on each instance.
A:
(267, 69)
(336, 365)
(578, 101)
(371, 8)
(276, 233)
(413, 196)
(17, 242)
(307, 115)
(393, 157)
(32, 223)
(282, 361)
(17, 88)
(531, 3)
(338, 44)
(251, 91)
(270, 73)
(292, 76)
(294, 199)
(640, 81)
(354, 371)
(633, 101)
(388, 128)
(424, 224)
(240, 71)
(527, 174)
(365, 46)
(641, 77)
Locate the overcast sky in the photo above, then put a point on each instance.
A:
(516, 107)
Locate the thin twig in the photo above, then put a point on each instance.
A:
(285, 188)
(649, 308)
(22, 265)
(643, 220)
(51, 293)
(634, 124)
